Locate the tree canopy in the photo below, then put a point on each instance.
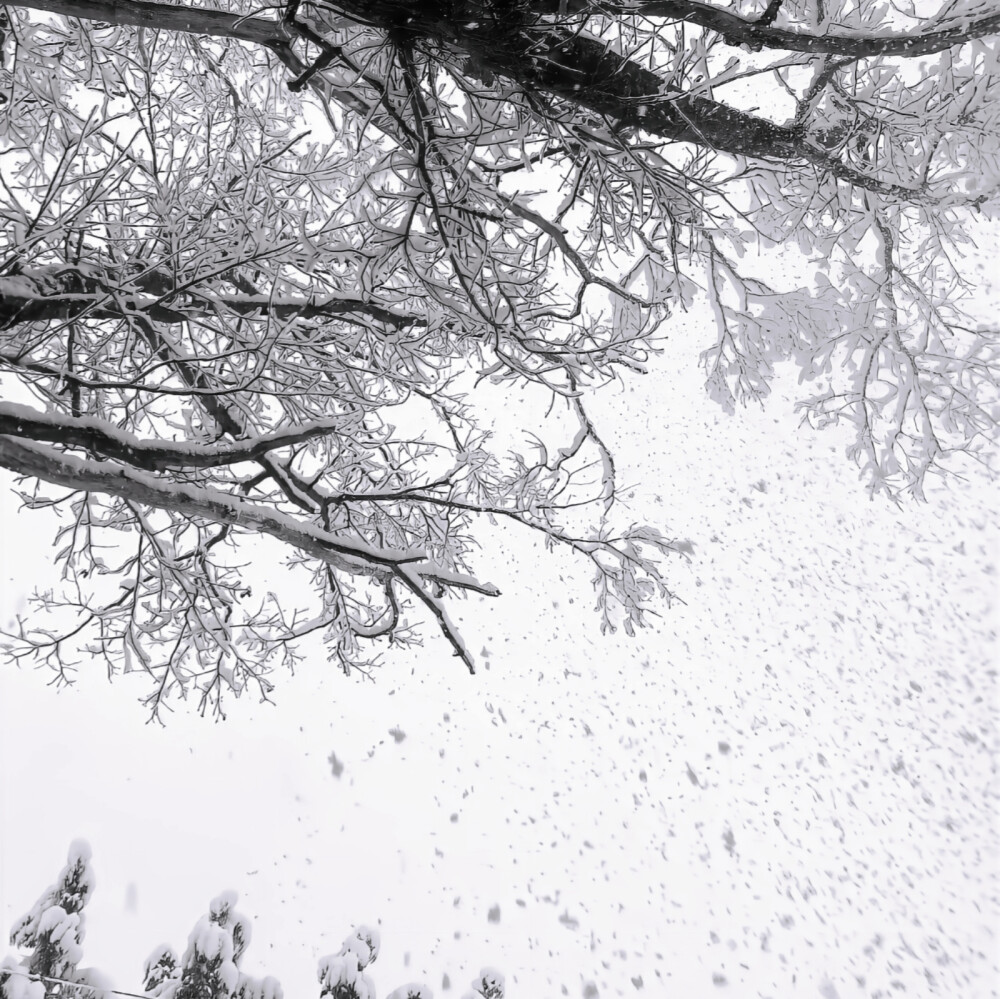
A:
(274, 271)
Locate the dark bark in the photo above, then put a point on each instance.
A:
(580, 70)
(66, 293)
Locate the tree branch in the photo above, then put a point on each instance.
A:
(585, 72)
(758, 34)
(410, 566)
(107, 441)
(195, 501)
(64, 293)
(171, 17)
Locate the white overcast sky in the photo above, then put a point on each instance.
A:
(786, 788)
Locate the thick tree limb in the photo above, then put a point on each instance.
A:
(171, 17)
(585, 71)
(565, 62)
(758, 32)
(62, 294)
(107, 441)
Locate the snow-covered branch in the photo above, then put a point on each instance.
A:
(196, 501)
(105, 440)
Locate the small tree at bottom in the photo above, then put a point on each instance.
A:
(51, 936)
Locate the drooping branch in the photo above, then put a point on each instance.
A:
(106, 441)
(189, 500)
(60, 469)
(410, 566)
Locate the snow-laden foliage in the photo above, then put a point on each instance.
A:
(489, 984)
(16, 981)
(160, 968)
(345, 276)
(50, 935)
(341, 975)
(364, 944)
(209, 967)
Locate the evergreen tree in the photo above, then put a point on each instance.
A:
(50, 938)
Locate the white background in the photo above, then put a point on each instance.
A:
(844, 651)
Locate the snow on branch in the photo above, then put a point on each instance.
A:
(197, 501)
(106, 441)
(410, 565)
(211, 504)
